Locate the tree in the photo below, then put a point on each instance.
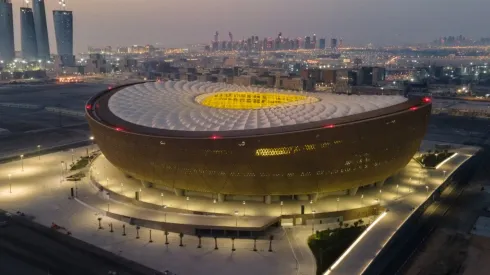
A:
(181, 235)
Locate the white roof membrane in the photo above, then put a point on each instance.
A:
(171, 105)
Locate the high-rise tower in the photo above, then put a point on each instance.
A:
(7, 50)
(63, 27)
(41, 29)
(28, 34)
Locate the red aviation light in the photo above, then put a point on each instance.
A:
(109, 88)
(119, 129)
(426, 99)
(413, 108)
(330, 126)
(215, 137)
(88, 107)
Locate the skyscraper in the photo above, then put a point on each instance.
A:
(41, 29)
(28, 34)
(322, 44)
(7, 50)
(333, 43)
(63, 27)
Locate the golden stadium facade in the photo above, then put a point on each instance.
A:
(248, 141)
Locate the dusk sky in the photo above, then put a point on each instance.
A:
(178, 22)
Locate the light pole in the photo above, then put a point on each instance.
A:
(187, 199)
(22, 162)
(61, 171)
(313, 222)
(362, 199)
(236, 221)
(397, 186)
(444, 172)
(165, 213)
(282, 203)
(107, 186)
(427, 188)
(39, 151)
(214, 204)
(380, 196)
(122, 184)
(338, 200)
(244, 207)
(92, 145)
(162, 197)
(10, 182)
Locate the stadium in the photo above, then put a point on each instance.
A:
(235, 143)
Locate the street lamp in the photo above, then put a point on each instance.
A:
(39, 151)
(444, 173)
(22, 162)
(397, 186)
(91, 144)
(10, 182)
(162, 197)
(165, 213)
(427, 188)
(72, 156)
(362, 199)
(244, 207)
(380, 196)
(313, 222)
(187, 199)
(214, 204)
(61, 171)
(122, 184)
(107, 186)
(338, 200)
(282, 203)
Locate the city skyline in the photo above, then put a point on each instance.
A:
(379, 22)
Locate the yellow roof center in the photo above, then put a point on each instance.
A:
(251, 100)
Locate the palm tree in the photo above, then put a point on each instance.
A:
(181, 235)
(166, 237)
(215, 243)
(199, 237)
(271, 237)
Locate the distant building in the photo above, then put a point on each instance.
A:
(307, 42)
(63, 27)
(28, 34)
(333, 43)
(371, 76)
(322, 44)
(41, 28)
(96, 64)
(7, 49)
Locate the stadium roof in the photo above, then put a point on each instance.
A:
(205, 106)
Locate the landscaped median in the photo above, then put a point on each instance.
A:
(328, 245)
(433, 160)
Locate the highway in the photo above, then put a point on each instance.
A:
(396, 257)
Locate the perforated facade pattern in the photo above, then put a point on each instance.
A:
(340, 155)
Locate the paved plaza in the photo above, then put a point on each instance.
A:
(39, 190)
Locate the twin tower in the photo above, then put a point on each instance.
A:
(34, 32)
